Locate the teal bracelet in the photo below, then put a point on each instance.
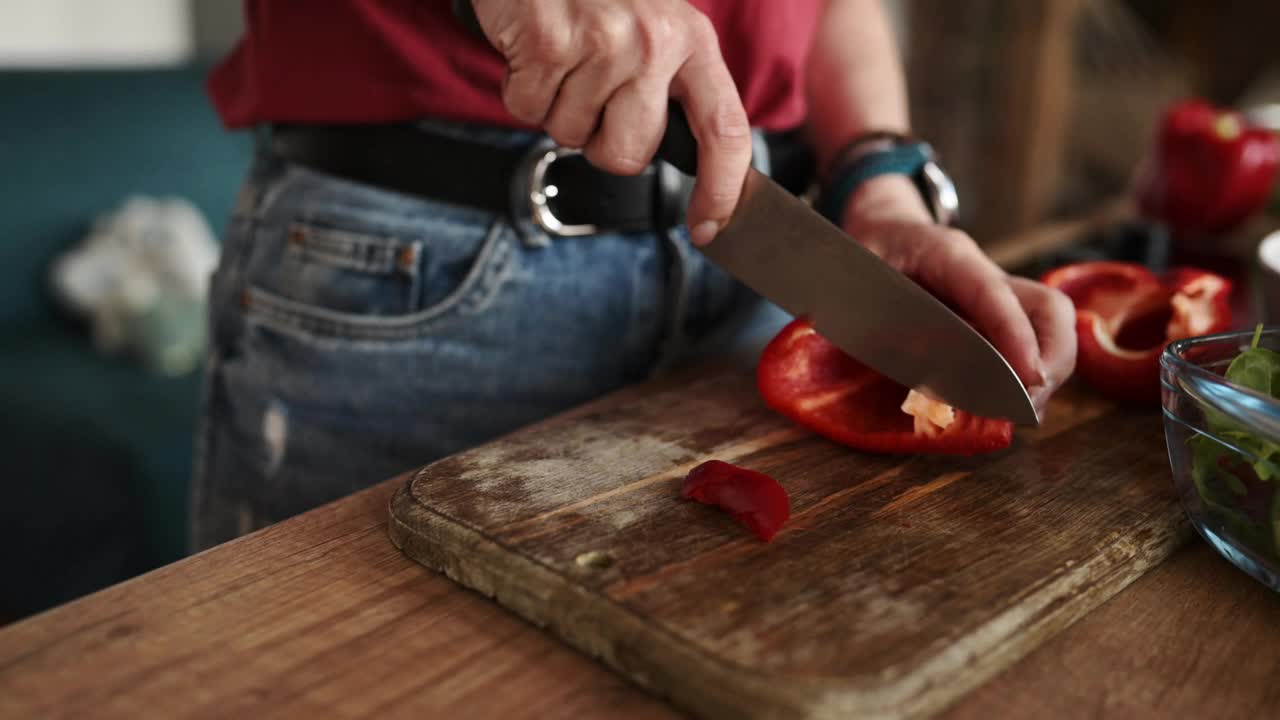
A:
(907, 160)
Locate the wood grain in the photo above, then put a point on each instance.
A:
(898, 584)
(318, 617)
(321, 616)
(1194, 638)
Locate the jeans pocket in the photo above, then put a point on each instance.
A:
(347, 271)
(372, 266)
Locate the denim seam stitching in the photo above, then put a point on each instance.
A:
(487, 274)
(353, 251)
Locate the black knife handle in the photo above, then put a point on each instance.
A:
(678, 145)
(466, 15)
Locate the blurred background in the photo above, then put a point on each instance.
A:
(120, 181)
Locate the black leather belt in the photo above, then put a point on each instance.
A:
(558, 189)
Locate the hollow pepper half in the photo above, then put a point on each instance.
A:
(754, 499)
(1209, 169)
(1126, 315)
(805, 377)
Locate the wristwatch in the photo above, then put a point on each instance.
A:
(885, 153)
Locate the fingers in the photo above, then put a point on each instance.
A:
(539, 50)
(630, 129)
(612, 60)
(1032, 325)
(719, 123)
(1053, 317)
(634, 118)
(955, 269)
(597, 75)
(529, 92)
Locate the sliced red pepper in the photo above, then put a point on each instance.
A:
(1210, 169)
(808, 379)
(1126, 315)
(754, 499)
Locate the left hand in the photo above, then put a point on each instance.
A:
(1032, 325)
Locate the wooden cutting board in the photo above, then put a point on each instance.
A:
(898, 584)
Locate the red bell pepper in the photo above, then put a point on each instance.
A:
(1209, 169)
(808, 379)
(1126, 315)
(754, 499)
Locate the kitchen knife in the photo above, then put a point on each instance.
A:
(788, 253)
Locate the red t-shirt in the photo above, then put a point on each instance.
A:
(382, 61)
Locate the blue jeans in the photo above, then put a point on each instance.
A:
(357, 333)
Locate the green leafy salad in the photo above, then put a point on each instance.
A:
(1237, 483)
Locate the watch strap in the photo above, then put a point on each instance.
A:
(905, 159)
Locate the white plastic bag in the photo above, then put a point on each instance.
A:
(141, 278)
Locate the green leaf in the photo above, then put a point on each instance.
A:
(1206, 474)
(1212, 460)
(1257, 369)
(1206, 469)
(1262, 452)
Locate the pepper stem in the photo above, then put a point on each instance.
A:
(1227, 126)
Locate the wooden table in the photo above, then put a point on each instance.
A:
(321, 616)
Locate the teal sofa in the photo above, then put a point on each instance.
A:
(98, 451)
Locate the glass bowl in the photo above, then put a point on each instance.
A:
(1228, 491)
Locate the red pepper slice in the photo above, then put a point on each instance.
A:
(808, 379)
(754, 499)
(1210, 169)
(1126, 315)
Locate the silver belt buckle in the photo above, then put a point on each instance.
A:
(537, 193)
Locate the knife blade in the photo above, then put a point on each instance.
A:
(790, 254)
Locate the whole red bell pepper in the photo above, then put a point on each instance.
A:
(754, 499)
(1126, 315)
(816, 384)
(1209, 169)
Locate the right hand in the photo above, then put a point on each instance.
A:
(597, 74)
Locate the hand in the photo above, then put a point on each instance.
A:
(597, 74)
(1032, 325)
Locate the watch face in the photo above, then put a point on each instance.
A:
(944, 198)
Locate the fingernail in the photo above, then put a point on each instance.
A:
(704, 232)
